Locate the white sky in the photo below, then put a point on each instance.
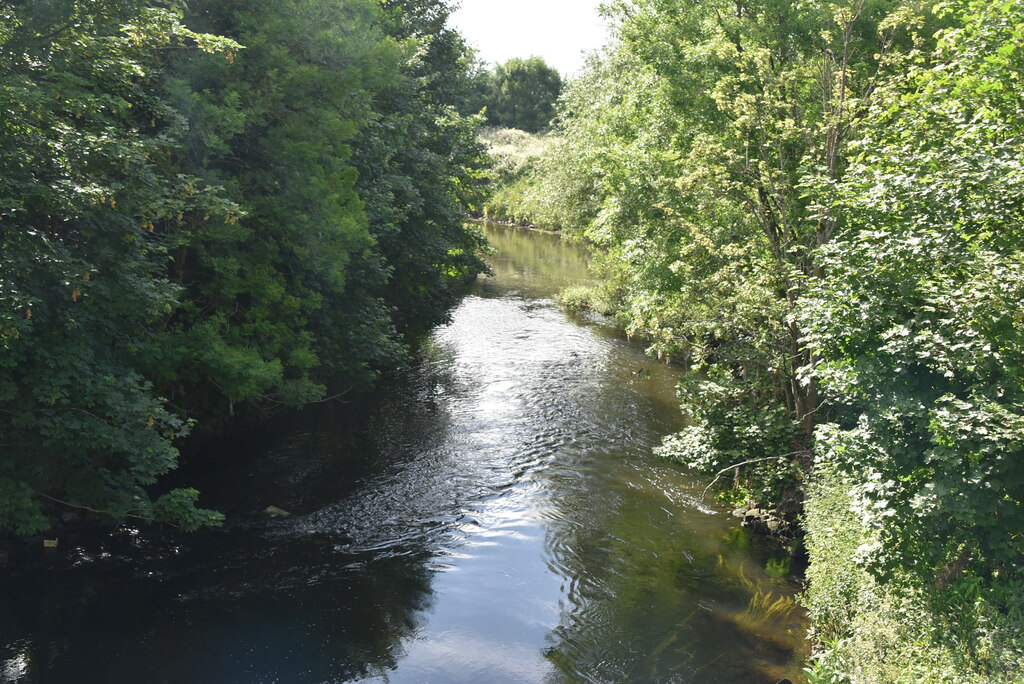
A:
(557, 30)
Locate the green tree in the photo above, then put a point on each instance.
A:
(421, 166)
(690, 155)
(87, 207)
(522, 94)
(918, 318)
(274, 128)
(227, 222)
(337, 130)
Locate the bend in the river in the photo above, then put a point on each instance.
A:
(497, 517)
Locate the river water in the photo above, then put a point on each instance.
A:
(496, 515)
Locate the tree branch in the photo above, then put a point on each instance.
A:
(723, 471)
(99, 512)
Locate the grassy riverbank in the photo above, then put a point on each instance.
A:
(902, 631)
(517, 195)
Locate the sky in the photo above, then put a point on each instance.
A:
(557, 30)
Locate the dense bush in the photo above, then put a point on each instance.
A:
(514, 176)
(900, 631)
(917, 319)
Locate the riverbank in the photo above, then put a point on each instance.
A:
(512, 224)
(903, 630)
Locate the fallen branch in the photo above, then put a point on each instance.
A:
(736, 466)
(99, 512)
(337, 396)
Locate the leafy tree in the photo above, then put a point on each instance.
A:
(421, 165)
(87, 207)
(697, 154)
(182, 215)
(274, 128)
(350, 169)
(918, 315)
(523, 94)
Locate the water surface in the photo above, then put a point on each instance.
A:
(495, 516)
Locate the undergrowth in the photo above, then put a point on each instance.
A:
(900, 632)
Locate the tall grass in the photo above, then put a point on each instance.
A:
(901, 632)
(516, 177)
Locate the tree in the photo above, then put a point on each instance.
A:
(87, 215)
(274, 127)
(917, 317)
(522, 94)
(703, 147)
(195, 226)
(421, 165)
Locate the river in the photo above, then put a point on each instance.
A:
(495, 515)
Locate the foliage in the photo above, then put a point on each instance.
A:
(422, 166)
(918, 317)
(515, 153)
(727, 432)
(515, 176)
(901, 631)
(598, 298)
(210, 212)
(179, 507)
(522, 94)
(688, 152)
(274, 128)
(82, 285)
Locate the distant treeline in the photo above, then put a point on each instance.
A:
(213, 208)
(521, 93)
